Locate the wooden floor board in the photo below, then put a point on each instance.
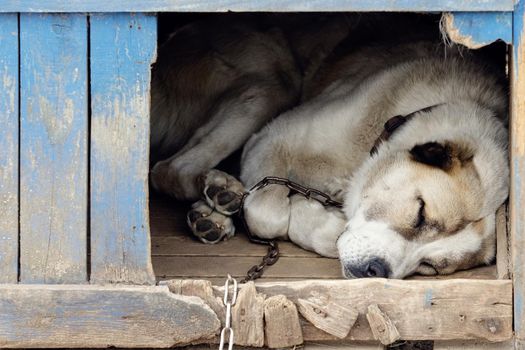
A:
(177, 255)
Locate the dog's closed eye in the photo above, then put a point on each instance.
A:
(420, 220)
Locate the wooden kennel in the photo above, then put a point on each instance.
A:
(75, 246)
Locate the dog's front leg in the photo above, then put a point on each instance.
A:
(315, 227)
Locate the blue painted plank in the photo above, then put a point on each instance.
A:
(53, 148)
(9, 148)
(123, 47)
(477, 29)
(517, 172)
(252, 5)
(84, 316)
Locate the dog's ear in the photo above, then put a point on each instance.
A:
(443, 156)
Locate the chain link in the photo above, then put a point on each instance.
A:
(229, 302)
(272, 255)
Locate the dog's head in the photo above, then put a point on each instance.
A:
(429, 206)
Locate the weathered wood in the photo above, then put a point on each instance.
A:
(430, 310)
(239, 6)
(123, 46)
(381, 325)
(282, 323)
(237, 266)
(182, 244)
(248, 317)
(502, 243)
(198, 288)
(517, 169)
(345, 346)
(96, 316)
(9, 148)
(330, 317)
(53, 148)
(477, 29)
(470, 345)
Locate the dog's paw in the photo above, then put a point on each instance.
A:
(222, 192)
(208, 225)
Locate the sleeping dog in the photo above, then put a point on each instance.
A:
(411, 137)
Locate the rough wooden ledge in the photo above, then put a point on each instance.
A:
(421, 310)
(75, 316)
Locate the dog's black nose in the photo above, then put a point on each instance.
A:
(374, 267)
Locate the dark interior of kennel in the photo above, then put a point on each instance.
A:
(176, 254)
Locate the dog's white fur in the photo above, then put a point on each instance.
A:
(325, 143)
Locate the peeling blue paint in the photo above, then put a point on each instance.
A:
(483, 28)
(428, 298)
(247, 5)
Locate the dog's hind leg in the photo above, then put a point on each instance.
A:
(238, 115)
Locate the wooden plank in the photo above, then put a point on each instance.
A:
(248, 317)
(381, 325)
(282, 328)
(421, 310)
(123, 46)
(69, 316)
(246, 5)
(502, 243)
(328, 316)
(345, 346)
(478, 29)
(184, 245)
(472, 345)
(517, 170)
(9, 147)
(205, 267)
(53, 148)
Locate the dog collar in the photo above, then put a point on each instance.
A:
(393, 124)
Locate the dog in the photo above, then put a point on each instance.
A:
(411, 137)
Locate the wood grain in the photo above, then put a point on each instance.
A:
(431, 310)
(251, 6)
(517, 169)
(502, 243)
(9, 148)
(472, 345)
(53, 148)
(248, 317)
(282, 328)
(219, 266)
(381, 325)
(330, 317)
(36, 316)
(123, 46)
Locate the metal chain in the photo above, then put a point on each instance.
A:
(228, 302)
(272, 255)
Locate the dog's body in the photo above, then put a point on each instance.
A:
(423, 202)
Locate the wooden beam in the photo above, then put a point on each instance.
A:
(123, 46)
(478, 29)
(472, 345)
(421, 310)
(282, 328)
(53, 148)
(9, 148)
(502, 243)
(250, 6)
(80, 316)
(517, 169)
